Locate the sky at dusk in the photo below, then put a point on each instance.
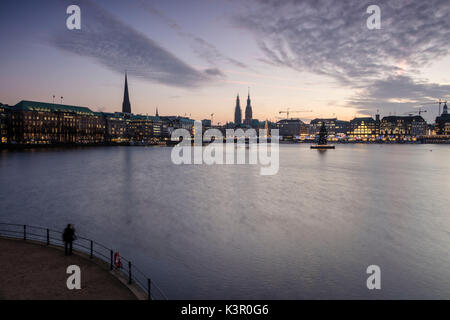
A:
(192, 57)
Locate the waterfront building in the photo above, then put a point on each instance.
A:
(443, 122)
(341, 127)
(363, 129)
(417, 126)
(115, 127)
(237, 112)
(143, 129)
(292, 128)
(165, 129)
(446, 129)
(403, 127)
(35, 122)
(177, 122)
(206, 123)
(4, 124)
(316, 124)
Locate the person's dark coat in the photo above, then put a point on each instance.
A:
(69, 234)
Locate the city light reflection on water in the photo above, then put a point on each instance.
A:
(225, 231)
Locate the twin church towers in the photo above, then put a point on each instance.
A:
(238, 113)
(126, 107)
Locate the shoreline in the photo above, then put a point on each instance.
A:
(75, 146)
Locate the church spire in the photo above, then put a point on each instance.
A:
(237, 112)
(157, 114)
(126, 107)
(248, 110)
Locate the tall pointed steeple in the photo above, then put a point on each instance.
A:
(237, 112)
(157, 114)
(248, 110)
(445, 110)
(126, 107)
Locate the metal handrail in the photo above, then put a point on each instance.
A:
(127, 269)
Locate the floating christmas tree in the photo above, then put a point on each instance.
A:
(323, 135)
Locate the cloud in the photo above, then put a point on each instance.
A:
(330, 37)
(400, 94)
(119, 47)
(211, 54)
(200, 46)
(214, 72)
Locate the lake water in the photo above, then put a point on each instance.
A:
(226, 232)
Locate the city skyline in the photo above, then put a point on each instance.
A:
(194, 57)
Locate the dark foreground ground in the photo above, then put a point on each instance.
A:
(33, 271)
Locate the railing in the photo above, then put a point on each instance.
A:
(87, 246)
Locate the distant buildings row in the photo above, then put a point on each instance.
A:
(41, 123)
(390, 128)
(31, 122)
(36, 123)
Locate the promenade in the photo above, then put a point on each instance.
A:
(30, 270)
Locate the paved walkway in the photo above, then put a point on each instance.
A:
(33, 271)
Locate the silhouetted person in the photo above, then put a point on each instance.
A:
(68, 238)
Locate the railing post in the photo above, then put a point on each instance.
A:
(92, 249)
(111, 267)
(149, 289)
(24, 232)
(48, 236)
(129, 272)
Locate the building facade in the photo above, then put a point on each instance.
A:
(206, 123)
(403, 127)
(364, 129)
(292, 128)
(143, 129)
(341, 127)
(176, 122)
(35, 122)
(316, 124)
(115, 127)
(4, 124)
(443, 122)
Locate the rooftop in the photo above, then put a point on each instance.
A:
(51, 107)
(366, 119)
(317, 120)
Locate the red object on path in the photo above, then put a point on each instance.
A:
(117, 260)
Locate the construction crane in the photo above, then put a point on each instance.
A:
(287, 111)
(420, 111)
(440, 101)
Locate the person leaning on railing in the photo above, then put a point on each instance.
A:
(68, 237)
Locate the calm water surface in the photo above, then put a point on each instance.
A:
(226, 232)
